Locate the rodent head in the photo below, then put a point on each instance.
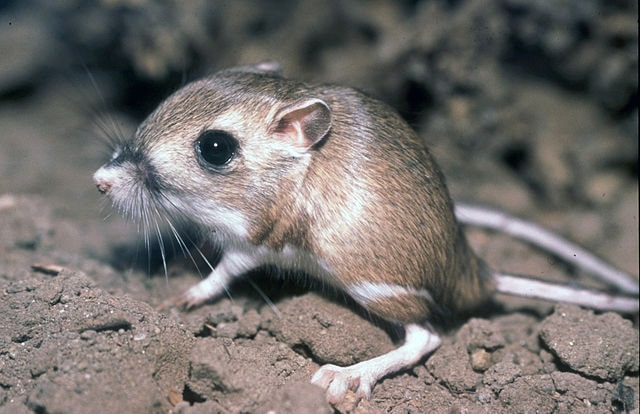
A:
(218, 152)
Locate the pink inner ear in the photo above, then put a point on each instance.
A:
(291, 131)
(304, 123)
(284, 126)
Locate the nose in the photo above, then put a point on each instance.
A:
(102, 180)
(103, 186)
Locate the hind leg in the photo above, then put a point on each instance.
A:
(361, 377)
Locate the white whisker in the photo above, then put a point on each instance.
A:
(162, 249)
(266, 298)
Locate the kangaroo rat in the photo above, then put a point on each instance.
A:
(325, 180)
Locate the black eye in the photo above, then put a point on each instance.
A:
(216, 148)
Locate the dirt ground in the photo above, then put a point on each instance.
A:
(531, 107)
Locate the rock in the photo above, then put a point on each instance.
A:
(602, 346)
(76, 347)
(329, 332)
(298, 397)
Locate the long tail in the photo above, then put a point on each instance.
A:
(532, 288)
(544, 239)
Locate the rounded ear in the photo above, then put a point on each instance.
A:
(302, 123)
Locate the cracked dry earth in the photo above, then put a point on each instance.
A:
(70, 344)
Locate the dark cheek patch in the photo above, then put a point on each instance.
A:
(144, 171)
(149, 176)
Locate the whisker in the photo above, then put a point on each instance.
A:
(204, 257)
(264, 297)
(183, 246)
(163, 204)
(108, 129)
(94, 84)
(180, 238)
(162, 249)
(147, 245)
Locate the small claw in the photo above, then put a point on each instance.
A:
(207, 289)
(324, 375)
(337, 381)
(185, 302)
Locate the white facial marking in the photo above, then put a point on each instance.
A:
(228, 121)
(230, 221)
(162, 156)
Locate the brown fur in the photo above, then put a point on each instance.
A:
(400, 235)
(367, 198)
(406, 233)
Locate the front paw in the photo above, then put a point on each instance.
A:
(339, 380)
(187, 301)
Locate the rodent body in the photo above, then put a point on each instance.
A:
(321, 179)
(347, 198)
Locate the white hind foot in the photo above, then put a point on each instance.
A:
(361, 377)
